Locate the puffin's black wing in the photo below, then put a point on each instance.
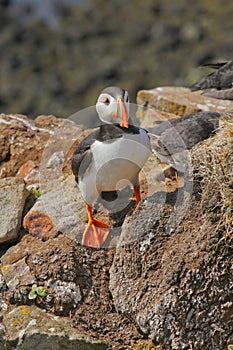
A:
(82, 156)
(222, 78)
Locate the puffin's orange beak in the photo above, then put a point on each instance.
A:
(124, 116)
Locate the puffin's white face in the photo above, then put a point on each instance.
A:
(113, 108)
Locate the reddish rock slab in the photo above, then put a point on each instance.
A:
(40, 225)
(23, 139)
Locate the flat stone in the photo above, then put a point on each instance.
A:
(13, 194)
(167, 102)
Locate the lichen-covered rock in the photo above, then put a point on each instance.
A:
(13, 194)
(174, 289)
(163, 103)
(75, 281)
(55, 265)
(17, 273)
(27, 327)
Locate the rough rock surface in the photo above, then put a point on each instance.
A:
(55, 265)
(13, 195)
(169, 102)
(23, 140)
(176, 291)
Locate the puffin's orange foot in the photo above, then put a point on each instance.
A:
(95, 234)
(137, 195)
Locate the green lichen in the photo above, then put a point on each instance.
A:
(36, 192)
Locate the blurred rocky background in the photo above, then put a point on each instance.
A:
(57, 55)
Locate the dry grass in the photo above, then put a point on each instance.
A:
(216, 170)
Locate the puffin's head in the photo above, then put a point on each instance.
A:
(113, 106)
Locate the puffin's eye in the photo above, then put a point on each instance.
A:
(127, 99)
(106, 101)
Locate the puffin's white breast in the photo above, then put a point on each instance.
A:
(115, 160)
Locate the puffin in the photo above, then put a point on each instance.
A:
(116, 151)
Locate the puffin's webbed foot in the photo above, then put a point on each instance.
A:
(96, 231)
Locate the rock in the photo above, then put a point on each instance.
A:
(45, 141)
(4, 146)
(226, 94)
(13, 194)
(217, 84)
(170, 140)
(3, 287)
(28, 327)
(56, 159)
(61, 209)
(162, 103)
(145, 216)
(23, 140)
(167, 284)
(76, 279)
(54, 265)
(17, 273)
(40, 225)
